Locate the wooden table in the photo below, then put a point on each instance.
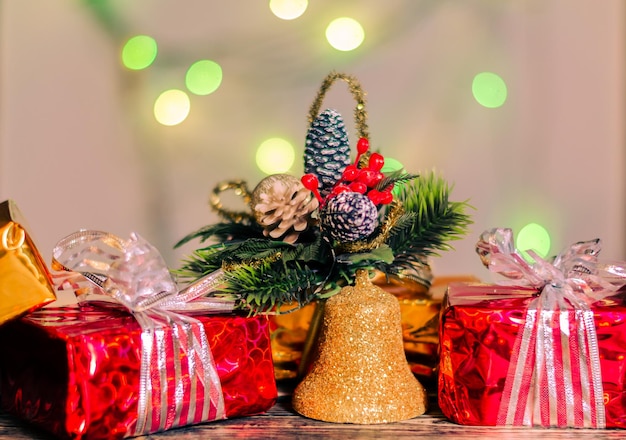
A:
(281, 422)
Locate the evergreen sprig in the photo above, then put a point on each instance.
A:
(430, 220)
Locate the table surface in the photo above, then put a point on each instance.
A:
(282, 422)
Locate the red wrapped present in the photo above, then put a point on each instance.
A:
(546, 349)
(101, 371)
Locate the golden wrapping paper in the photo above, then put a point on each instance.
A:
(25, 282)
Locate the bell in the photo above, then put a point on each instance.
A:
(360, 373)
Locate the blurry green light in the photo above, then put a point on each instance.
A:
(288, 9)
(345, 34)
(534, 237)
(203, 77)
(489, 90)
(391, 166)
(172, 107)
(139, 52)
(275, 155)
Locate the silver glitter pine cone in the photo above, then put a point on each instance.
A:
(327, 150)
(349, 216)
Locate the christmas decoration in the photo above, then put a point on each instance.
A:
(327, 151)
(365, 220)
(360, 374)
(283, 206)
(542, 348)
(25, 283)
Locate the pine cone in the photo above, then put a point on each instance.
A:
(327, 151)
(349, 216)
(283, 206)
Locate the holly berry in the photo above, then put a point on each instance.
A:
(310, 182)
(350, 173)
(386, 197)
(339, 189)
(361, 148)
(376, 161)
(358, 187)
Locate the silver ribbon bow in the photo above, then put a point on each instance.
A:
(554, 376)
(133, 273)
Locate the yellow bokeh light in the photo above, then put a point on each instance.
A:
(172, 107)
(345, 34)
(275, 155)
(288, 9)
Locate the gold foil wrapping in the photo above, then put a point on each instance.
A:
(25, 282)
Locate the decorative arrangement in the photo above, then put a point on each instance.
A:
(304, 240)
(25, 282)
(543, 347)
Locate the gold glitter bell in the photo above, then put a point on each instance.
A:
(360, 374)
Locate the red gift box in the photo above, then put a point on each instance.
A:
(545, 348)
(480, 325)
(76, 371)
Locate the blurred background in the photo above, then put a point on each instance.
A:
(519, 104)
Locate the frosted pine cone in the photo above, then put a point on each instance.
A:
(349, 216)
(327, 150)
(283, 206)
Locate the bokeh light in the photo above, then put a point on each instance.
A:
(172, 107)
(203, 77)
(139, 52)
(288, 9)
(275, 155)
(534, 237)
(391, 166)
(345, 34)
(489, 89)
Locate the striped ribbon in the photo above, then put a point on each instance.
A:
(554, 376)
(179, 384)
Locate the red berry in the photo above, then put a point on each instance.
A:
(374, 196)
(376, 161)
(386, 197)
(362, 145)
(366, 176)
(350, 173)
(376, 178)
(339, 189)
(358, 187)
(310, 182)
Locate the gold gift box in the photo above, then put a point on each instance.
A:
(25, 282)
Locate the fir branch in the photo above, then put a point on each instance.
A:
(222, 232)
(430, 220)
(398, 177)
(270, 286)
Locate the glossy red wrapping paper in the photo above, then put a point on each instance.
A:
(478, 330)
(74, 371)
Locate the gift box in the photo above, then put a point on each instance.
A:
(550, 353)
(25, 282)
(136, 354)
(76, 372)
